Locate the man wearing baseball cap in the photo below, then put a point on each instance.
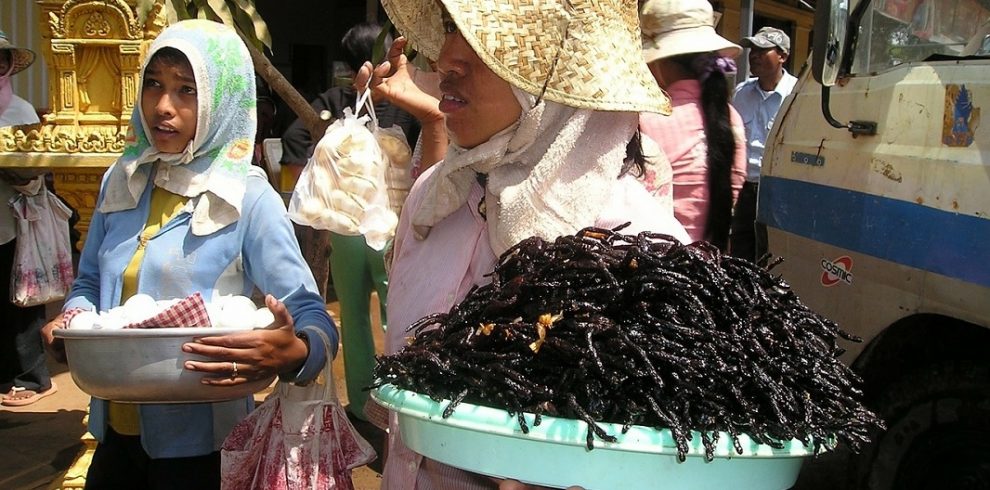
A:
(757, 100)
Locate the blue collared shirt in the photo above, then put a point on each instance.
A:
(758, 110)
(258, 250)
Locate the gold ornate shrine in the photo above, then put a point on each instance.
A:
(93, 50)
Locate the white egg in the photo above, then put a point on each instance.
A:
(360, 187)
(238, 303)
(114, 319)
(310, 209)
(349, 207)
(347, 165)
(236, 312)
(340, 223)
(84, 320)
(164, 304)
(234, 319)
(213, 311)
(141, 304)
(263, 317)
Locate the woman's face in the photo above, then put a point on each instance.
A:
(5, 62)
(169, 105)
(477, 103)
(766, 63)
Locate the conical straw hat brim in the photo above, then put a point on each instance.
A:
(20, 58)
(586, 55)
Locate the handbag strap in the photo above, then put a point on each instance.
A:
(322, 388)
(329, 388)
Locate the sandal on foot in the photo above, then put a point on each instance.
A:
(19, 397)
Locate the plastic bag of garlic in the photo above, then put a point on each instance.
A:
(343, 186)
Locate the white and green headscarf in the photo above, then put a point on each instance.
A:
(213, 169)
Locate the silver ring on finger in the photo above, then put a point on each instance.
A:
(233, 371)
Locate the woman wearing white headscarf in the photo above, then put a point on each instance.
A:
(182, 212)
(541, 103)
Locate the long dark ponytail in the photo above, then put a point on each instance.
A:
(721, 142)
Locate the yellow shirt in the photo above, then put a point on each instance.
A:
(165, 205)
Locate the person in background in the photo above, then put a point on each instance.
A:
(355, 268)
(704, 136)
(758, 100)
(266, 127)
(184, 211)
(24, 376)
(535, 149)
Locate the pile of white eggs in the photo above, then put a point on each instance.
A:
(233, 311)
(356, 181)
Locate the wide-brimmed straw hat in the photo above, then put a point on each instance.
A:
(675, 27)
(20, 58)
(586, 53)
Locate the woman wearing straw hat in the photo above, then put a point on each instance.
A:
(541, 102)
(24, 376)
(13, 109)
(704, 136)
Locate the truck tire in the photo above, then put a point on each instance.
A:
(938, 431)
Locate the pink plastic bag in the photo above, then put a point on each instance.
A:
(42, 270)
(299, 438)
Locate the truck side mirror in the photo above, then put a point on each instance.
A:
(831, 28)
(831, 24)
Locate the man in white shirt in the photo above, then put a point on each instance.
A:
(757, 100)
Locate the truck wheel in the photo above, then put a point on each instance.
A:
(938, 431)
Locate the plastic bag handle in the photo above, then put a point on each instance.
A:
(364, 100)
(329, 390)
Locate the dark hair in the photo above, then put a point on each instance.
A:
(635, 162)
(721, 145)
(169, 56)
(358, 43)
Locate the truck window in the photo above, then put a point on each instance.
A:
(893, 32)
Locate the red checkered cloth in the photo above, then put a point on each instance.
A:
(67, 316)
(190, 312)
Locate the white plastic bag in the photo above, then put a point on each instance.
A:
(342, 187)
(299, 438)
(42, 270)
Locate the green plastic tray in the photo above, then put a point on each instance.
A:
(489, 441)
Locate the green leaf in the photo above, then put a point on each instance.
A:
(379, 50)
(257, 25)
(177, 12)
(222, 11)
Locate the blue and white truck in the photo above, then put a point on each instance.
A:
(876, 192)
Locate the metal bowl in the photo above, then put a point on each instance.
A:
(145, 366)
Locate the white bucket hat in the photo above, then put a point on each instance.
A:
(674, 27)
